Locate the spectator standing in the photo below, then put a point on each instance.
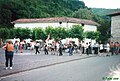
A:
(9, 54)
(75, 48)
(37, 47)
(90, 48)
(112, 48)
(5, 48)
(96, 48)
(116, 48)
(25, 45)
(80, 49)
(46, 49)
(57, 48)
(52, 49)
(71, 49)
(107, 47)
(83, 47)
(41, 45)
(60, 48)
(1, 42)
(32, 44)
(16, 46)
(21, 47)
(87, 48)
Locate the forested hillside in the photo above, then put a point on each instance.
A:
(103, 11)
(11, 10)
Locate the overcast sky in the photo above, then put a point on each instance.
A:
(112, 4)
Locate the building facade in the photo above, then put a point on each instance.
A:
(66, 22)
(115, 26)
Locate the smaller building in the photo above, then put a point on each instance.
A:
(66, 22)
(115, 26)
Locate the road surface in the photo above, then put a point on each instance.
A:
(90, 69)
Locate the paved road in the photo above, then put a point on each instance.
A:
(90, 69)
(29, 61)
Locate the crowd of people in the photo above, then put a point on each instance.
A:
(114, 48)
(57, 48)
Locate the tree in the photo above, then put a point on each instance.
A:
(60, 33)
(39, 33)
(22, 33)
(4, 33)
(75, 4)
(12, 33)
(49, 30)
(83, 14)
(92, 35)
(105, 33)
(11, 10)
(76, 31)
(104, 27)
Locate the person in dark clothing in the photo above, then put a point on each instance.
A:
(116, 47)
(37, 47)
(6, 56)
(96, 48)
(71, 49)
(83, 47)
(16, 46)
(46, 50)
(112, 48)
(89, 48)
(9, 51)
(60, 48)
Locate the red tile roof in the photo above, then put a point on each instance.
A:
(56, 19)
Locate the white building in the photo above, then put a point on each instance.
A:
(55, 22)
(66, 22)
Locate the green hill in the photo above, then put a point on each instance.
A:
(11, 10)
(103, 11)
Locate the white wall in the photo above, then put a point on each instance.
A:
(33, 25)
(43, 25)
(89, 28)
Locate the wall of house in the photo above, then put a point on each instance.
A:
(115, 28)
(89, 28)
(33, 25)
(44, 25)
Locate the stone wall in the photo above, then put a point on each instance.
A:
(115, 28)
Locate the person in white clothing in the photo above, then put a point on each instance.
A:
(86, 47)
(83, 47)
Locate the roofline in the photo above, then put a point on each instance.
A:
(114, 14)
(58, 19)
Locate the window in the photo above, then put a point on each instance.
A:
(82, 24)
(60, 22)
